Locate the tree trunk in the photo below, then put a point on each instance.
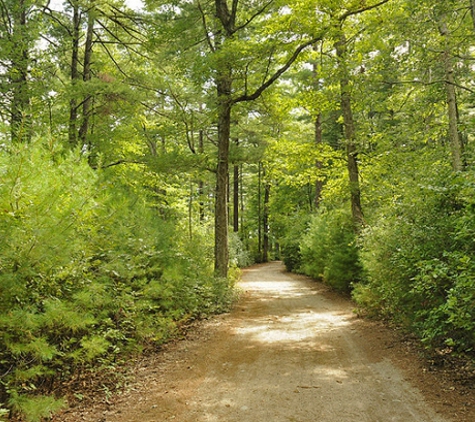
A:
(190, 212)
(265, 224)
(349, 126)
(86, 105)
(200, 182)
(73, 105)
(259, 210)
(452, 109)
(223, 85)
(223, 80)
(236, 196)
(241, 197)
(20, 105)
(318, 164)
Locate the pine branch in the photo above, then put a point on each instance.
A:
(120, 42)
(111, 56)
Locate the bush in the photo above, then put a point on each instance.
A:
(238, 255)
(88, 272)
(329, 250)
(293, 228)
(418, 256)
(292, 256)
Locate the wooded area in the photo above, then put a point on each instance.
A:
(146, 155)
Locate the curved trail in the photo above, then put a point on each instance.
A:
(289, 351)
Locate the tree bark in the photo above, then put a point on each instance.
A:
(265, 224)
(223, 88)
(201, 182)
(86, 105)
(223, 81)
(73, 105)
(259, 210)
(236, 198)
(472, 10)
(349, 130)
(452, 109)
(20, 105)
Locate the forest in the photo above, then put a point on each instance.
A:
(147, 153)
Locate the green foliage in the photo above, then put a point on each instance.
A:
(291, 254)
(418, 254)
(329, 250)
(291, 229)
(88, 272)
(35, 408)
(238, 255)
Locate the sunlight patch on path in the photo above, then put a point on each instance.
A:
(296, 327)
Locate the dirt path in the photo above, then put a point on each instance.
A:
(289, 351)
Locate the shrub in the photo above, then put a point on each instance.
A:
(329, 250)
(418, 256)
(291, 255)
(239, 256)
(88, 272)
(293, 228)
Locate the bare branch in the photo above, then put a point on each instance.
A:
(290, 61)
(119, 68)
(460, 86)
(205, 27)
(349, 13)
(254, 16)
(49, 41)
(52, 15)
(119, 41)
(117, 163)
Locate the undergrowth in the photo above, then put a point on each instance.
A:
(89, 273)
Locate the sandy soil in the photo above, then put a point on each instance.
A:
(291, 350)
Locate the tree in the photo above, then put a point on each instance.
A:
(19, 31)
(349, 125)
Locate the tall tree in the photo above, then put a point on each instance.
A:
(349, 126)
(452, 107)
(233, 21)
(18, 33)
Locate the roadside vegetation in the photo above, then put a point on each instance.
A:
(147, 154)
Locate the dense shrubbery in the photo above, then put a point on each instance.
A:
(88, 272)
(293, 229)
(329, 250)
(418, 255)
(239, 256)
(414, 261)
